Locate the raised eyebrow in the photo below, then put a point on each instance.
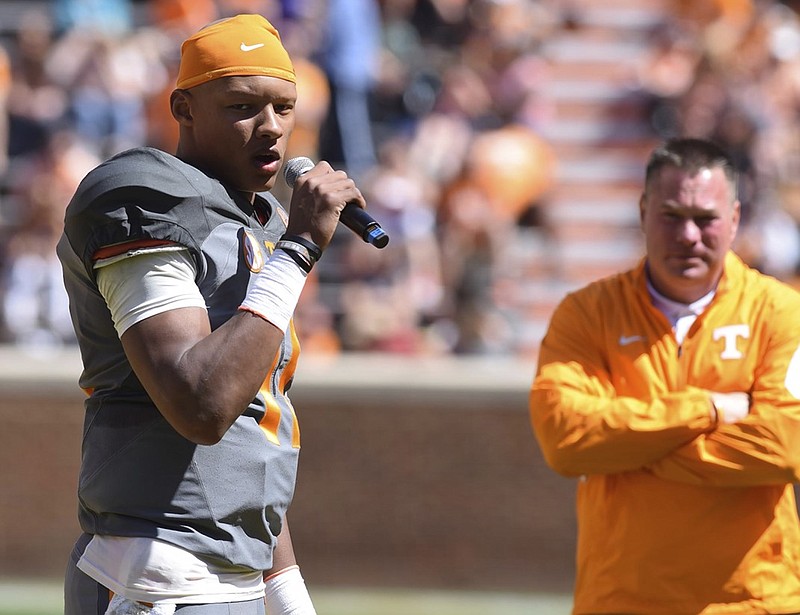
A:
(670, 206)
(673, 207)
(253, 96)
(243, 90)
(286, 100)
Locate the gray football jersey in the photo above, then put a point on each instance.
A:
(138, 476)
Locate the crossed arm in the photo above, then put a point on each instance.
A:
(584, 426)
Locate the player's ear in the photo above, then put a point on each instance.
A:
(736, 214)
(181, 107)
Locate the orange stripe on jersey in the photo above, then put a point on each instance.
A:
(295, 430)
(287, 376)
(288, 372)
(271, 420)
(121, 248)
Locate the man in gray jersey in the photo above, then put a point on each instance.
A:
(183, 279)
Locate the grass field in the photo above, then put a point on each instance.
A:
(34, 598)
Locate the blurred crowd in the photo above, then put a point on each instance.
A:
(729, 70)
(436, 107)
(396, 92)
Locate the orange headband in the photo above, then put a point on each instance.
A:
(241, 45)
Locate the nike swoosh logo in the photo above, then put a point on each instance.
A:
(624, 340)
(244, 47)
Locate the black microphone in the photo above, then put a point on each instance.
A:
(353, 217)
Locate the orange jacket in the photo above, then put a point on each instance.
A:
(677, 514)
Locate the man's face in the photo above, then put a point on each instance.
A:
(240, 127)
(689, 222)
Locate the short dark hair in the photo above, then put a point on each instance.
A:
(692, 155)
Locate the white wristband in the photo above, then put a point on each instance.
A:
(286, 594)
(275, 291)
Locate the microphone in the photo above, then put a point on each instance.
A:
(353, 217)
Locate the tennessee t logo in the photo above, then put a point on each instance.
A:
(730, 335)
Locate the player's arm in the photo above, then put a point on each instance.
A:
(202, 380)
(286, 590)
(582, 425)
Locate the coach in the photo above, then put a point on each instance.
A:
(673, 392)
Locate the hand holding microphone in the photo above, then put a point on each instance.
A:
(314, 215)
(353, 216)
